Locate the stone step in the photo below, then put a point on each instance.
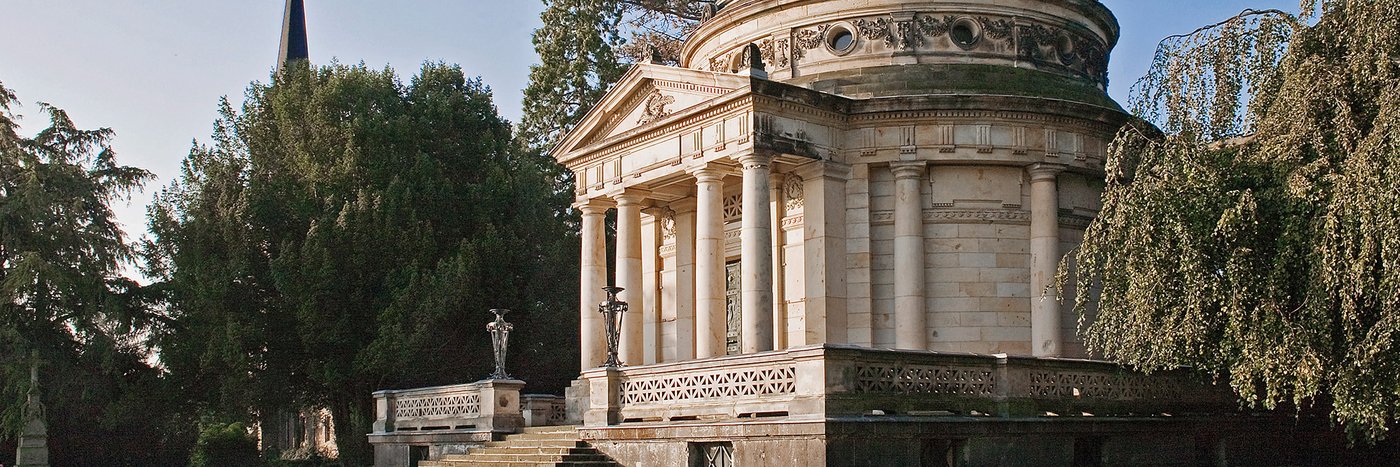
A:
(531, 458)
(516, 464)
(541, 436)
(513, 449)
(550, 429)
(537, 443)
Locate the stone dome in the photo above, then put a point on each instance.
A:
(877, 48)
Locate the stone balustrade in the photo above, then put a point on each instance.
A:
(487, 405)
(846, 381)
(543, 410)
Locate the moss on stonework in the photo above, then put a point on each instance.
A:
(969, 79)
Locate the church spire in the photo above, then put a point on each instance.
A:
(293, 34)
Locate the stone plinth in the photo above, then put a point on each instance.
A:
(33, 444)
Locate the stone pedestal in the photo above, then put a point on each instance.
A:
(604, 397)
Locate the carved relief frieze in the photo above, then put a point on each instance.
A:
(668, 224)
(782, 51)
(655, 107)
(1042, 44)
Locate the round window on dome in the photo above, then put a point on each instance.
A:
(840, 40)
(965, 32)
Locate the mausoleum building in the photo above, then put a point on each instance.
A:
(838, 225)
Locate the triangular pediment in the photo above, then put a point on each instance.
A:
(647, 95)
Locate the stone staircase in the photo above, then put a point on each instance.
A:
(537, 446)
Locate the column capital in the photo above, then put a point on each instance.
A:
(709, 173)
(629, 196)
(823, 169)
(593, 206)
(1041, 171)
(913, 169)
(754, 160)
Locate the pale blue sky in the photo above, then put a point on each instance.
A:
(153, 70)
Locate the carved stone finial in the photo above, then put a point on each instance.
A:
(752, 64)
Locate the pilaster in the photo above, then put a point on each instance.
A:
(1046, 339)
(824, 252)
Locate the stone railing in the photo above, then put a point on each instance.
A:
(488, 405)
(543, 410)
(836, 381)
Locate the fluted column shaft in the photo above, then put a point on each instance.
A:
(756, 269)
(709, 262)
(910, 307)
(1046, 337)
(592, 278)
(629, 275)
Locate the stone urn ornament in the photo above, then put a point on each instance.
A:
(612, 311)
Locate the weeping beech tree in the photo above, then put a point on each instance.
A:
(1251, 223)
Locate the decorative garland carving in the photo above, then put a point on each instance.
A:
(999, 29)
(808, 39)
(765, 52)
(655, 107)
(932, 26)
(876, 30)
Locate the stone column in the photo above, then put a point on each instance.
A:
(592, 278)
(756, 268)
(685, 281)
(910, 308)
(824, 251)
(709, 262)
(1045, 258)
(651, 287)
(629, 274)
(776, 211)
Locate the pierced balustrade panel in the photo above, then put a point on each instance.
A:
(715, 384)
(1103, 386)
(921, 379)
(438, 406)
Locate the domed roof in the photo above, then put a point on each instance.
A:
(871, 48)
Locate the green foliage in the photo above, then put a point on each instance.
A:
(225, 445)
(346, 233)
(64, 298)
(585, 46)
(1256, 238)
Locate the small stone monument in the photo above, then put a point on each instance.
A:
(33, 437)
(500, 335)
